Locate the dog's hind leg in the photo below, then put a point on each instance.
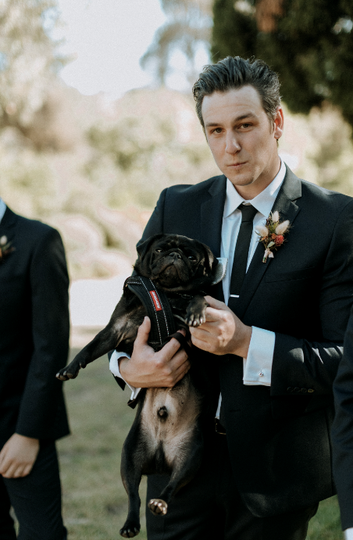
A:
(131, 483)
(133, 461)
(185, 465)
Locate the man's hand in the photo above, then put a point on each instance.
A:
(147, 368)
(223, 332)
(18, 456)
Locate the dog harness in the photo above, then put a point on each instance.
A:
(158, 310)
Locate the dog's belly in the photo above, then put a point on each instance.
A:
(168, 419)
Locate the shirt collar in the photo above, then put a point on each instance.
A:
(2, 209)
(263, 202)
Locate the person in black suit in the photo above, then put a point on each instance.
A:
(34, 339)
(275, 334)
(342, 433)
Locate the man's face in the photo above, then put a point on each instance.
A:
(242, 139)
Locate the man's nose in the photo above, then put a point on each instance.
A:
(232, 144)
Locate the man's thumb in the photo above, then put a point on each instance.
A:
(144, 331)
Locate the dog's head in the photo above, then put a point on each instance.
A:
(176, 263)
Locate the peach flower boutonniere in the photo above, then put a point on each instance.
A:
(272, 234)
(5, 248)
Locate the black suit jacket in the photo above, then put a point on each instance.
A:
(278, 436)
(34, 330)
(342, 430)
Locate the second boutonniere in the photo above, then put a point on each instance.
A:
(272, 234)
(5, 248)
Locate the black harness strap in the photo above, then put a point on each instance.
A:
(157, 307)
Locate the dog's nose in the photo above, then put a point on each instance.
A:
(175, 255)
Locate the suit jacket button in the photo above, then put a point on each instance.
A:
(289, 389)
(311, 390)
(296, 389)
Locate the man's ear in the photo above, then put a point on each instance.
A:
(278, 123)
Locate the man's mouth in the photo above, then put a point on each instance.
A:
(236, 165)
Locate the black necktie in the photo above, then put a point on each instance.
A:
(242, 249)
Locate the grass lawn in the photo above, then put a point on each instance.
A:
(95, 502)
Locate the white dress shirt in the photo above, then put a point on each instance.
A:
(2, 209)
(258, 364)
(348, 534)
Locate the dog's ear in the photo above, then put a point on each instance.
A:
(144, 249)
(216, 267)
(219, 270)
(210, 261)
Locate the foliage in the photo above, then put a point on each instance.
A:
(322, 148)
(28, 61)
(99, 189)
(310, 45)
(152, 140)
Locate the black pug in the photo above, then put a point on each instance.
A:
(166, 436)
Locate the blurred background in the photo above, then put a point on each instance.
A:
(96, 117)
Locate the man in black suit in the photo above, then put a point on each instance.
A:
(342, 433)
(275, 335)
(34, 334)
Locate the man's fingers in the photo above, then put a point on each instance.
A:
(178, 367)
(171, 348)
(213, 303)
(182, 370)
(143, 331)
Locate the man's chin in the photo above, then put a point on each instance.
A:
(241, 181)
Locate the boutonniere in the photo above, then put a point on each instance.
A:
(5, 248)
(272, 234)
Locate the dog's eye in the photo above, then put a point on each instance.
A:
(192, 258)
(158, 250)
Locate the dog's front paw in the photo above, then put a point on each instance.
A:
(195, 319)
(158, 507)
(66, 374)
(71, 371)
(196, 311)
(130, 529)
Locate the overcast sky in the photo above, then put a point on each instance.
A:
(108, 38)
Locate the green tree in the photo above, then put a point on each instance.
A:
(310, 45)
(28, 60)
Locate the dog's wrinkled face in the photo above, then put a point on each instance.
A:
(176, 262)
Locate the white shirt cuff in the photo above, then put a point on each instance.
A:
(258, 364)
(114, 368)
(348, 534)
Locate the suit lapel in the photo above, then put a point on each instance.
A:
(212, 215)
(7, 222)
(211, 222)
(286, 206)
(8, 229)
